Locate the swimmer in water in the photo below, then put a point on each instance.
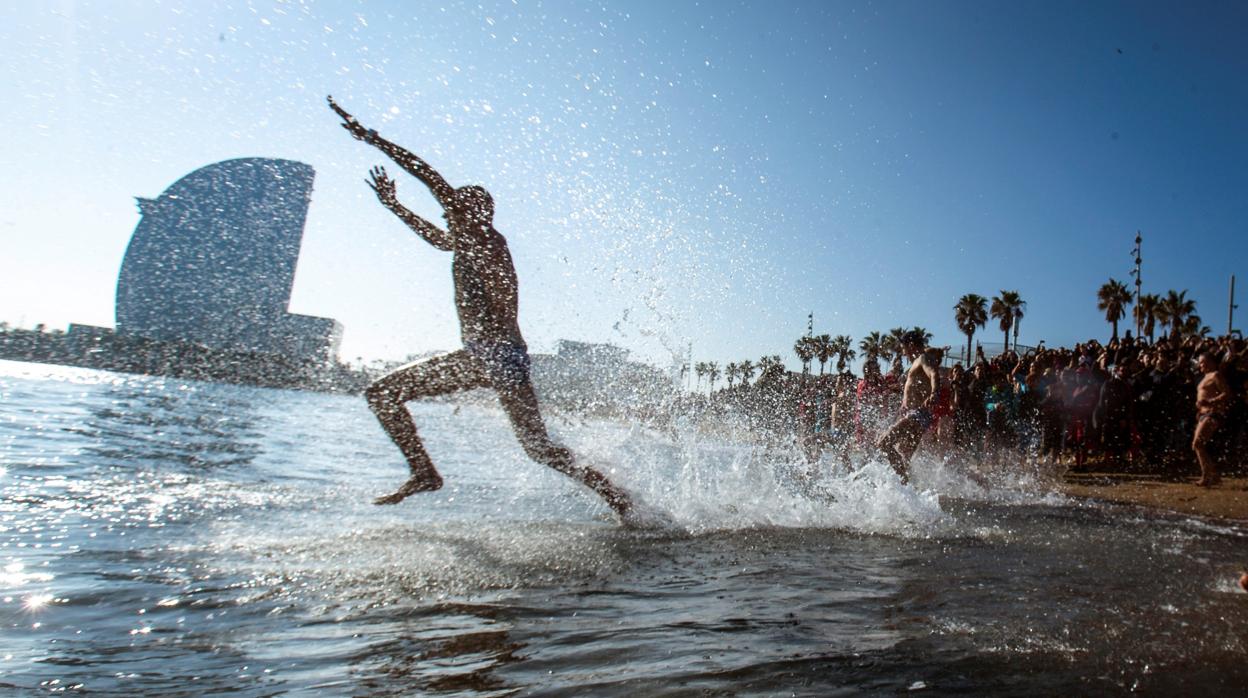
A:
(918, 399)
(486, 301)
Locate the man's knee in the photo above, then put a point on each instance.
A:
(382, 397)
(888, 439)
(548, 453)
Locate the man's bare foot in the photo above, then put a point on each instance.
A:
(618, 500)
(615, 497)
(415, 485)
(1209, 482)
(902, 469)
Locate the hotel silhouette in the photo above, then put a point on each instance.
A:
(212, 262)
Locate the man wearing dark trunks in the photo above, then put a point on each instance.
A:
(918, 398)
(1213, 402)
(486, 300)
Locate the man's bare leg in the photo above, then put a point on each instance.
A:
(1200, 444)
(899, 444)
(520, 403)
(387, 398)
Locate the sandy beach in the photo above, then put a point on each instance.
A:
(1180, 495)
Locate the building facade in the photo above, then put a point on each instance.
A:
(212, 262)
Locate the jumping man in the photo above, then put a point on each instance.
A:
(486, 300)
(918, 398)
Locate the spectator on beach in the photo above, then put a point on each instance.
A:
(841, 425)
(1113, 416)
(1213, 402)
(967, 415)
(814, 412)
(1157, 394)
(873, 404)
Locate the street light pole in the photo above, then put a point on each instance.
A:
(1139, 318)
(1230, 311)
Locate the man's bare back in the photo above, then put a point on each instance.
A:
(922, 385)
(487, 303)
(919, 388)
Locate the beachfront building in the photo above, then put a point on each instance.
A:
(212, 262)
(599, 376)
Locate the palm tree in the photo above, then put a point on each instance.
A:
(712, 372)
(1146, 313)
(746, 369)
(700, 369)
(770, 367)
(822, 344)
(730, 373)
(805, 350)
(970, 312)
(871, 346)
(1018, 319)
(1113, 297)
(1175, 309)
(843, 349)
(1003, 308)
(893, 342)
(923, 334)
(1193, 325)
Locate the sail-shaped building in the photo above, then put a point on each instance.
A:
(213, 259)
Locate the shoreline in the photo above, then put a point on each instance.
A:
(1178, 495)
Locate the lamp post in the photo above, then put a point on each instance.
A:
(1139, 319)
(1230, 311)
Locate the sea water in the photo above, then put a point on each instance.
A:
(181, 538)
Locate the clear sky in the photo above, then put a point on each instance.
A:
(666, 173)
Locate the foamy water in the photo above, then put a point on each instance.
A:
(166, 536)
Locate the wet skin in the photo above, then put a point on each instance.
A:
(486, 302)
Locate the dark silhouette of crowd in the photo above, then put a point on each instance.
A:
(1128, 405)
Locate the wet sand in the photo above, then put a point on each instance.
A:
(1180, 495)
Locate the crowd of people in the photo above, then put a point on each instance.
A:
(1176, 405)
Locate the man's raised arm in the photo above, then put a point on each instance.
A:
(409, 161)
(388, 195)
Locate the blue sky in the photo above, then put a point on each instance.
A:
(666, 173)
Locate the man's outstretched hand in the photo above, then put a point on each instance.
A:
(350, 124)
(383, 185)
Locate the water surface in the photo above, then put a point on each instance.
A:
(163, 536)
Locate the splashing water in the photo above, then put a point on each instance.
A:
(160, 533)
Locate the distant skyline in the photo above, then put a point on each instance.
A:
(666, 174)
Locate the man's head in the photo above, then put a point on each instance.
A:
(1161, 362)
(1207, 362)
(471, 205)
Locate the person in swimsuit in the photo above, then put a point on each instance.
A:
(1213, 401)
(486, 301)
(919, 396)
